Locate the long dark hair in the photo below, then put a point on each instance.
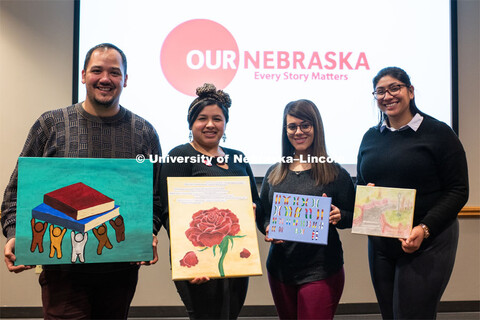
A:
(306, 110)
(401, 76)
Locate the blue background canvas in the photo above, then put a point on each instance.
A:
(129, 183)
(305, 227)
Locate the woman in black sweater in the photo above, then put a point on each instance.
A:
(207, 118)
(409, 149)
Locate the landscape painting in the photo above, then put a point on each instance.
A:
(386, 212)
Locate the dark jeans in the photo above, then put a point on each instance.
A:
(80, 295)
(409, 286)
(215, 299)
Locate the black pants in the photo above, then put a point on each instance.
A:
(409, 286)
(78, 295)
(215, 299)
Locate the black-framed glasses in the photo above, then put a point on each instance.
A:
(305, 127)
(393, 90)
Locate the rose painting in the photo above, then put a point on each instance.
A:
(189, 260)
(214, 228)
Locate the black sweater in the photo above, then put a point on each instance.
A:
(430, 160)
(202, 170)
(299, 263)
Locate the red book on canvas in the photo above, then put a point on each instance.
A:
(78, 201)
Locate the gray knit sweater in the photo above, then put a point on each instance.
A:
(73, 133)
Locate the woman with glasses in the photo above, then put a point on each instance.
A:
(306, 280)
(207, 119)
(409, 149)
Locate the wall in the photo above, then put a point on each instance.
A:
(35, 63)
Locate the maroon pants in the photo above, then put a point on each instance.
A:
(313, 300)
(78, 295)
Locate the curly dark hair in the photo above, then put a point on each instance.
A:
(208, 95)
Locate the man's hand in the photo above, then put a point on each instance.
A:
(10, 258)
(155, 253)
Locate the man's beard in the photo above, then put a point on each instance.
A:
(106, 104)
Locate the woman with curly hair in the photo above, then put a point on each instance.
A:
(207, 118)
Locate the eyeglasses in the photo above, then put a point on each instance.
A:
(305, 127)
(393, 90)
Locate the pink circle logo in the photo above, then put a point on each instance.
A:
(199, 51)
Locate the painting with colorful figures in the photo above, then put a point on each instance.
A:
(212, 228)
(74, 211)
(385, 212)
(300, 218)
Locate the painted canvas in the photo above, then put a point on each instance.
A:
(212, 228)
(385, 212)
(72, 210)
(300, 218)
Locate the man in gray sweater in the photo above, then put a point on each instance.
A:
(98, 127)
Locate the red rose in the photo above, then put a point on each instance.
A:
(245, 253)
(209, 227)
(190, 260)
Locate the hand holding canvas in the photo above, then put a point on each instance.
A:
(155, 254)
(268, 239)
(199, 280)
(10, 258)
(335, 214)
(414, 241)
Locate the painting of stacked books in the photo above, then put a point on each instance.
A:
(68, 211)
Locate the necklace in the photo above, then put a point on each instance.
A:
(223, 164)
(205, 152)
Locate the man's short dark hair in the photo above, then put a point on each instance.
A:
(105, 46)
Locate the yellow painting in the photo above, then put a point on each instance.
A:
(385, 212)
(212, 228)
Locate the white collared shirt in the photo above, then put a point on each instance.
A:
(414, 124)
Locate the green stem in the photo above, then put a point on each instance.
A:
(223, 246)
(220, 263)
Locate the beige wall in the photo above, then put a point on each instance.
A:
(35, 63)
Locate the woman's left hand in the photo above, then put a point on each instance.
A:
(335, 214)
(413, 242)
(199, 280)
